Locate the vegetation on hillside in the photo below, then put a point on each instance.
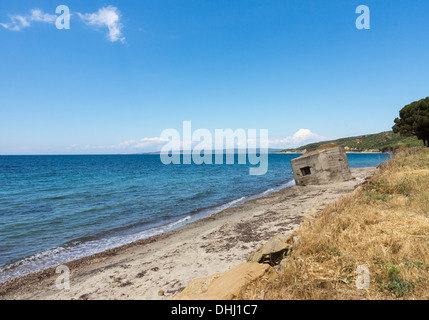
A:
(379, 142)
(382, 227)
(414, 120)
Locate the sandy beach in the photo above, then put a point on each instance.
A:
(169, 262)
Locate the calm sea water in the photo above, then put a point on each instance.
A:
(55, 209)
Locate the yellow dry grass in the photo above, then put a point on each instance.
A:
(383, 225)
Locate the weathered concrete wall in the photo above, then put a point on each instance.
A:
(323, 165)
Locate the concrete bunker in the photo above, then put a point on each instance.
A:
(323, 165)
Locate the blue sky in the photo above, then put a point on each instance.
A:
(299, 68)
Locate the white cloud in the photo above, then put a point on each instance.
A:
(304, 135)
(154, 144)
(299, 138)
(144, 144)
(40, 16)
(72, 147)
(18, 22)
(106, 17)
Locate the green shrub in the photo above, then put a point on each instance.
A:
(396, 285)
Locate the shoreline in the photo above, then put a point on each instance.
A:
(169, 261)
(189, 218)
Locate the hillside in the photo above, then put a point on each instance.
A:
(379, 142)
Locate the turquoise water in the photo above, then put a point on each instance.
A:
(55, 209)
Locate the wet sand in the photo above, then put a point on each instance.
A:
(169, 262)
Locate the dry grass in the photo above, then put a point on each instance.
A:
(384, 225)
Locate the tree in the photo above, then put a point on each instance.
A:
(414, 120)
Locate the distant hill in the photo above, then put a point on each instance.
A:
(379, 142)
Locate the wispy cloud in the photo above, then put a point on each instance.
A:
(106, 17)
(144, 144)
(19, 22)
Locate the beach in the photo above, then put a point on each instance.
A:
(168, 262)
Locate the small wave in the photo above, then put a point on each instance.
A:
(198, 195)
(288, 184)
(57, 198)
(207, 212)
(56, 256)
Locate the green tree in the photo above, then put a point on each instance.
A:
(414, 120)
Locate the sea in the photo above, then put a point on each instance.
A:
(56, 209)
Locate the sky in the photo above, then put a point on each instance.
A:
(127, 70)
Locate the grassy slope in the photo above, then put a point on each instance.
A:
(383, 225)
(384, 141)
